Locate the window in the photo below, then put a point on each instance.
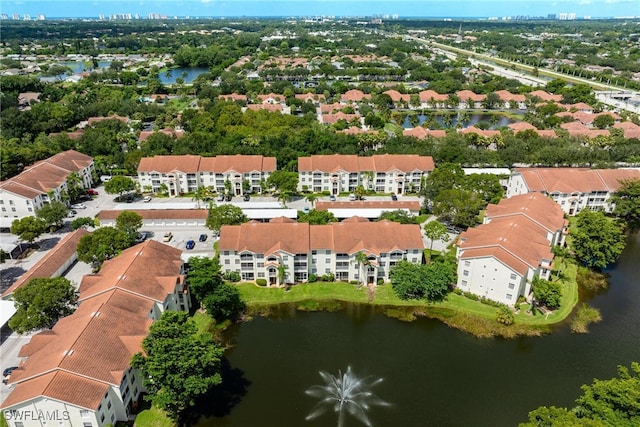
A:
(109, 405)
(11, 202)
(83, 425)
(85, 413)
(465, 273)
(327, 260)
(102, 418)
(512, 285)
(509, 296)
(513, 276)
(464, 283)
(13, 209)
(113, 416)
(227, 261)
(467, 263)
(327, 270)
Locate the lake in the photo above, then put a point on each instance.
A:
(433, 375)
(172, 74)
(473, 119)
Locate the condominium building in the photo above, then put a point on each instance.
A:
(185, 174)
(386, 173)
(285, 251)
(499, 259)
(43, 182)
(574, 189)
(78, 373)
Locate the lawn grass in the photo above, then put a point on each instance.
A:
(153, 417)
(456, 311)
(203, 321)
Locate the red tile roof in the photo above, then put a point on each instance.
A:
(355, 95)
(389, 204)
(219, 164)
(421, 133)
(343, 237)
(378, 163)
(88, 351)
(428, 95)
(465, 95)
(51, 262)
(539, 208)
(574, 180)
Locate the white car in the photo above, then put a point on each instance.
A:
(78, 206)
(146, 199)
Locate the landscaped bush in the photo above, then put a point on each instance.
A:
(353, 282)
(505, 315)
(329, 277)
(231, 276)
(261, 282)
(313, 278)
(380, 282)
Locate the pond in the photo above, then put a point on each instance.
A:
(469, 120)
(79, 67)
(187, 73)
(432, 375)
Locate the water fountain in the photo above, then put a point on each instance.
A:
(345, 393)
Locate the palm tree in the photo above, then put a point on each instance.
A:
(282, 274)
(362, 260)
(283, 197)
(311, 198)
(200, 194)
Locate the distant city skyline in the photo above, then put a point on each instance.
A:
(262, 8)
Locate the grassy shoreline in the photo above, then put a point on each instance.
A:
(457, 311)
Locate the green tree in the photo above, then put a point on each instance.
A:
(316, 217)
(444, 177)
(74, 186)
(119, 184)
(102, 244)
(129, 222)
(597, 240)
(400, 215)
(547, 293)
(603, 121)
(612, 402)
(359, 192)
(283, 181)
(459, 206)
(486, 185)
(202, 193)
(627, 201)
(53, 214)
(311, 198)
(82, 222)
(41, 302)
(435, 230)
(225, 215)
(28, 228)
(224, 303)
(178, 364)
(203, 277)
(415, 281)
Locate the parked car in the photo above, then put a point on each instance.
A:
(146, 199)
(394, 197)
(78, 206)
(141, 237)
(167, 236)
(92, 192)
(246, 198)
(352, 197)
(190, 244)
(306, 209)
(203, 238)
(220, 197)
(228, 197)
(332, 198)
(8, 371)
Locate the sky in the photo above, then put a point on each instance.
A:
(403, 8)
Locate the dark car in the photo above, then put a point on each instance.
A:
(228, 198)
(394, 197)
(190, 244)
(246, 197)
(141, 237)
(203, 238)
(8, 371)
